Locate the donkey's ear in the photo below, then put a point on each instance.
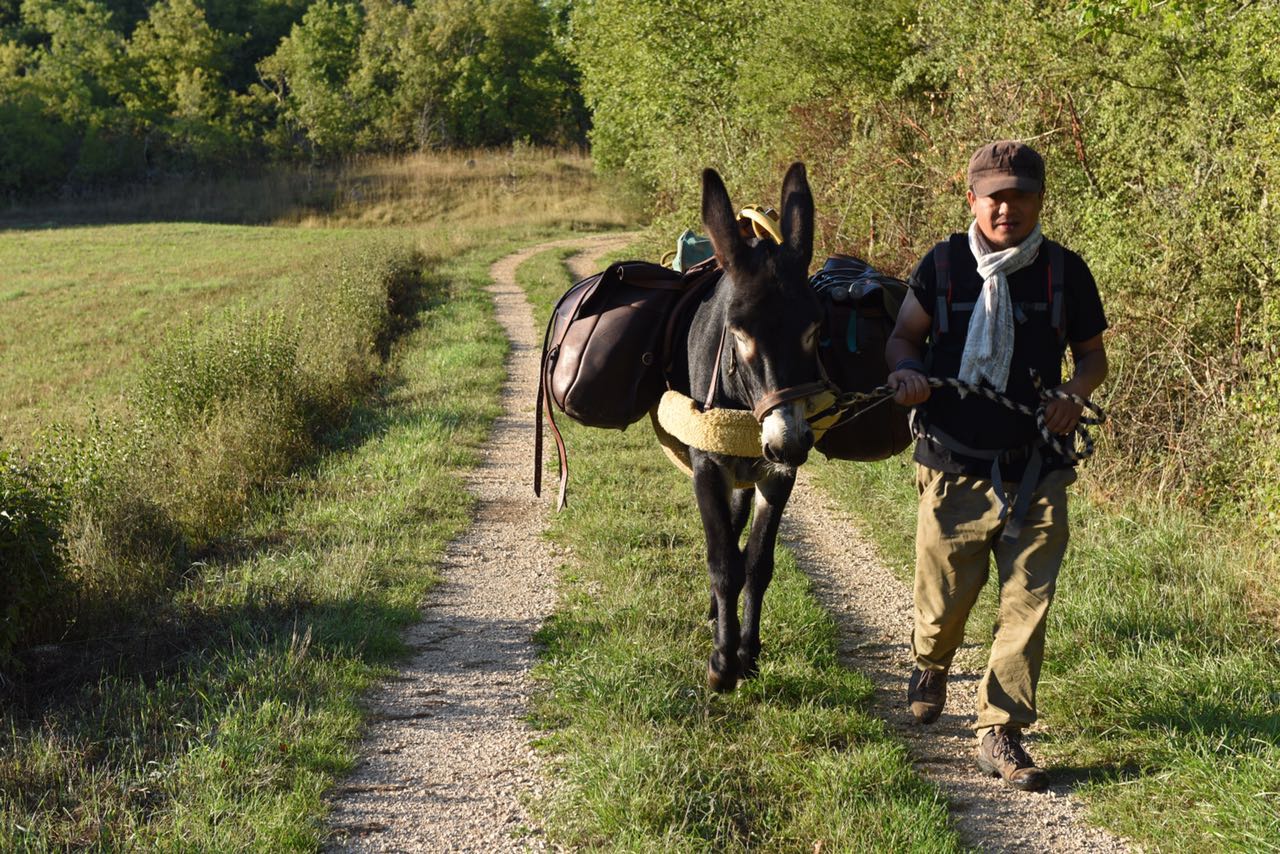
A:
(797, 213)
(721, 224)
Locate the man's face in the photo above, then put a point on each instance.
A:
(1006, 217)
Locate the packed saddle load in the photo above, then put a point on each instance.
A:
(608, 346)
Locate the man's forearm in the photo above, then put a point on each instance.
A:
(896, 349)
(1090, 372)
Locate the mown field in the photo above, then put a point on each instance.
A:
(80, 307)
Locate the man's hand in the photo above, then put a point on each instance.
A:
(911, 387)
(1062, 416)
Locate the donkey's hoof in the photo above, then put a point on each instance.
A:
(724, 679)
(749, 664)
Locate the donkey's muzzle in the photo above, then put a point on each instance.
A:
(785, 435)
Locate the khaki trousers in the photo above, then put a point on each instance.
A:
(957, 531)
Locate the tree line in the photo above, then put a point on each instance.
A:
(96, 92)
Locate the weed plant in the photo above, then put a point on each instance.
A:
(31, 517)
(1160, 693)
(650, 758)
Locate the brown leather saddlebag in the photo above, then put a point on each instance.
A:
(861, 306)
(603, 348)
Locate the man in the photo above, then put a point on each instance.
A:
(989, 307)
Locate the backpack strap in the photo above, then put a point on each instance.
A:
(942, 273)
(944, 306)
(1057, 288)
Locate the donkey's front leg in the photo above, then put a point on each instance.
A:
(712, 487)
(739, 512)
(771, 498)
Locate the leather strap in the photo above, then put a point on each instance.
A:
(701, 276)
(544, 402)
(709, 401)
(785, 395)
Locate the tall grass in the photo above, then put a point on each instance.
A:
(225, 409)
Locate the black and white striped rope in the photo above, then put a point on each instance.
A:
(1074, 445)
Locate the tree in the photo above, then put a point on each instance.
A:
(310, 72)
(178, 95)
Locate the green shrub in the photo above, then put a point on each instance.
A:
(210, 472)
(1158, 125)
(117, 548)
(31, 515)
(224, 412)
(203, 365)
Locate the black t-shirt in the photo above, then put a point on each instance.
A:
(974, 420)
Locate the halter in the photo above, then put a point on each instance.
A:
(773, 399)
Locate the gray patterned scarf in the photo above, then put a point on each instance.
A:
(988, 348)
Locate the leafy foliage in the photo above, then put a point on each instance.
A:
(99, 91)
(1157, 121)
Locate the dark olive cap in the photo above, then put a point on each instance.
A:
(1005, 165)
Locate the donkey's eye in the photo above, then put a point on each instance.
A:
(745, 343)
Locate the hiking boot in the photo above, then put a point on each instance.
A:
(1001, 754)
(927, 694)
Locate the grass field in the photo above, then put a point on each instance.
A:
(87, 289)
(80, 307)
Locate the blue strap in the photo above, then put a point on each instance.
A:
(1012, 513)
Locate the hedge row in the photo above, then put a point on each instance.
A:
(100, 529)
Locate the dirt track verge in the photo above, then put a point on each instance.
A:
(873, 609)
(447, 762)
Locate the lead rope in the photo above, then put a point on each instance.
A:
(1076, 445)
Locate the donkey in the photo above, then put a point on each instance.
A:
(751, 343)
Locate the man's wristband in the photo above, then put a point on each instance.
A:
(909, 365)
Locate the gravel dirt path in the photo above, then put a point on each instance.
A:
(447, 762)
(873, 609)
